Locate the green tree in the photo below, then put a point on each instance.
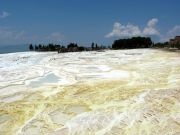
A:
(31, 47)
(96, 46)
(92, 46)
(134, 42)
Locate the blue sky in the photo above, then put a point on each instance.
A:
(86, 21)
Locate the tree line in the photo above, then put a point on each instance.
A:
(127, 43)
(166, 45)
(132, 43)
(71, 47)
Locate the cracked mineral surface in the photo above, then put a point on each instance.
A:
(117, 92)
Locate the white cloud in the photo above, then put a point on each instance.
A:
(150, 28)
(120, 30)
(175, 31)
(4, 14)
(55, 37)
(9, 36)
(152, 22)
(130, 30)
(6, 33)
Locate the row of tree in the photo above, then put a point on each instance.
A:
(49, 47)
(128, 43)
(161, 45)
(72, 47)
(132, 43)
(175, 46)
(166, 45)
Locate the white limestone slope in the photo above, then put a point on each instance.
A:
(88, 93)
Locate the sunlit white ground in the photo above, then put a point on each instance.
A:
(123, 92)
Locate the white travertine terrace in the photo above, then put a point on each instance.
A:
(120, 92)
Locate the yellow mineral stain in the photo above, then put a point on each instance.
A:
(146, 101)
